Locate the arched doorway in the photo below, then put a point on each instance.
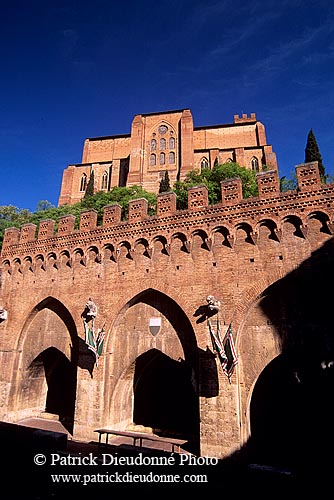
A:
(164, 397)
(51, 378)
(155, 380)
(278, 412)
(48, 364)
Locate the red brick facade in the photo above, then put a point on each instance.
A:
(165, 141)
(161, 268)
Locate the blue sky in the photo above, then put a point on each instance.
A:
(76, 69)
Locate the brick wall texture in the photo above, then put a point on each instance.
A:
(165, 141)
(149, 277)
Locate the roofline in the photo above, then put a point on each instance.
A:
(227, 125)
(99, 138)
(223, 125)
(164, 112)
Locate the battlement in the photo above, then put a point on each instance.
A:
(245, 118)
(233, 208)
(264, 259)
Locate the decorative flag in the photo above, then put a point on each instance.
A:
(224, 348)
(217, 343)
(230, 352)
(89, 336)
(99, 343)
(94, 342)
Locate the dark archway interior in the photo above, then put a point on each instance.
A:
(277, 414)
(164, 397)
(165, 390)
(60, 376)
(291, 414)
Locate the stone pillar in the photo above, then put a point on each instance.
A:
(136, 153)
(186, 139)
(240, 156)
(214, 155)
(261, 134)
(66, 186)
(270, 157)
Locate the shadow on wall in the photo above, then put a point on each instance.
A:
(291, 412)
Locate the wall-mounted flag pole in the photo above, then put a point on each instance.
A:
(224, 348)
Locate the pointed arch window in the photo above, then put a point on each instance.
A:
(104, 182)
(171, 143)
(162, 143)
(162, 158)
(153, 160)
(255, 164)
(153, 144)
(171, 157)
(83, 182)
(204, 163)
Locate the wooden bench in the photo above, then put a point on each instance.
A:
(140, 437)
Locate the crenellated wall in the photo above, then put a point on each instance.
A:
(161, 266)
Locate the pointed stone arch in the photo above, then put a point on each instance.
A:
(136, 348)
(46, 364)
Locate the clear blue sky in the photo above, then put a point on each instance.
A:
(72, 69)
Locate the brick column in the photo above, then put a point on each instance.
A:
(66, 225)
(308, 176)
(197, 197)
(46, 229)
(112, 214)
(28, 233)
(88, 220)
(166, 204)
(137, 209)
(268, 184)
(231, 191)
(11, 237)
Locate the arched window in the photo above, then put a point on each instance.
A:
(204, 163)
(171, 157)
(171, 143)
(153, 144)
(162, 143)
(162, 158)
(255, 164)
(104, 182)
(83, 182)
(152, 160)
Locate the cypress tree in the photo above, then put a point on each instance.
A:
(164, 183)
(312, 153)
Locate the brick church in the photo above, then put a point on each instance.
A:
(165, 141)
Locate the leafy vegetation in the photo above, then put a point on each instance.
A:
(164, 183)
(212, 179)
(11, 216)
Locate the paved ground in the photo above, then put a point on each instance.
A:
(88, 476)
